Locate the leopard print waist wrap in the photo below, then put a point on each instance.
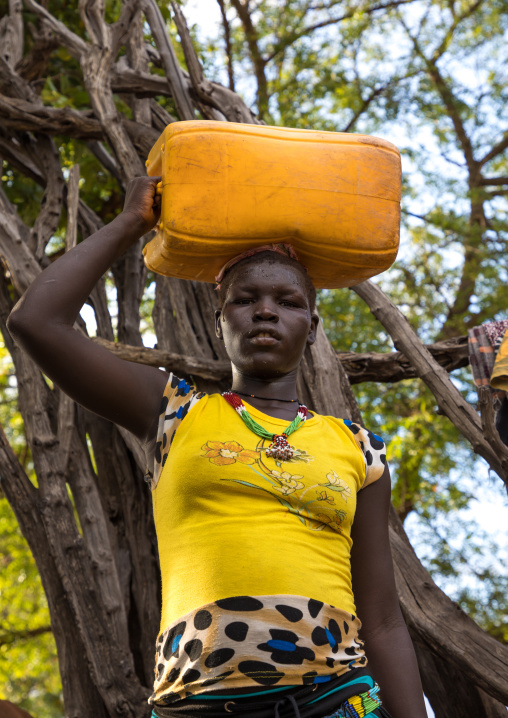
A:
(263, 641)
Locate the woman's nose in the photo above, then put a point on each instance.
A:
(264, 311)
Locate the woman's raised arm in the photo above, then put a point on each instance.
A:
(42, 322)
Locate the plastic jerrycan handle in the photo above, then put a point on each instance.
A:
(158, 189)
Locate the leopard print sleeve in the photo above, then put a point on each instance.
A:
(373, 449)
(178, 398)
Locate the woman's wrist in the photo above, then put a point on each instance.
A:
(131, 226)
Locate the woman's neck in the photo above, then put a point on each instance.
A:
(272, 396)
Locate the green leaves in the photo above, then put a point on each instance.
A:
(28, 663)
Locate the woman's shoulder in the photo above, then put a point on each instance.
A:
(177, 400)
(177, 387)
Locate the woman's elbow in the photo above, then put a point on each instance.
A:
(22, 325)
(16, 322)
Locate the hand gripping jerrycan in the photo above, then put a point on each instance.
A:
(226, 187)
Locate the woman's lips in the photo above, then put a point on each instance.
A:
(264, 339)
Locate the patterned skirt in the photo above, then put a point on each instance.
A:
(351, 695)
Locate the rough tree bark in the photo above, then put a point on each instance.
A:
(101, 576)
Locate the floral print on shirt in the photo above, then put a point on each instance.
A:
(287, 488)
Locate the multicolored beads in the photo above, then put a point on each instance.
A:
(280, 448)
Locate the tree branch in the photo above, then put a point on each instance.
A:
(18, 157)
(293, 37)
(258, 62)
(229, 49)
(10, 637)
(203, 88)
(372, 366)
(177, 363)
(395, 366)
(451, 104)
(457, 19)
(86, 568)
(11, 151)
(485, 181)
(46, 224)
(14, 85)
(138, 60)
(449, 399)
(14, 249)
(106, 160)
(142, 84)
(212, 94)
(69, 39)
(33, 66)
(498, 193)
(22, 115)
(71, 235)
(495, 151)
(125, 23)
(365, 104)
(174, 72)
(11, 34)
(92, 14)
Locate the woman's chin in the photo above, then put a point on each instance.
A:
(262, 370)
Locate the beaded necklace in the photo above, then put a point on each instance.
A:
(279, 449)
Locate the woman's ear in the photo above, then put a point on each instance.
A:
(218, 325)
(314, 323)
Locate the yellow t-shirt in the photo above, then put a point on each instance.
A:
(232, 522)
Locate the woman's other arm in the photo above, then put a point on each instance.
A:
(387, 643)
(42, 322)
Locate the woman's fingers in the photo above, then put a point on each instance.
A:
(142, 200)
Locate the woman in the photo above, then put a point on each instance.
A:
(260, 557)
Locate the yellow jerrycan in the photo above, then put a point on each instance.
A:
(227, 187)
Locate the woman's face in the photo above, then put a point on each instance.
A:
(266, 321)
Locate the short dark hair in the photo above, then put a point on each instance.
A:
(268, 257)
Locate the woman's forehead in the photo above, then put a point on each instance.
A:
(266, 273)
